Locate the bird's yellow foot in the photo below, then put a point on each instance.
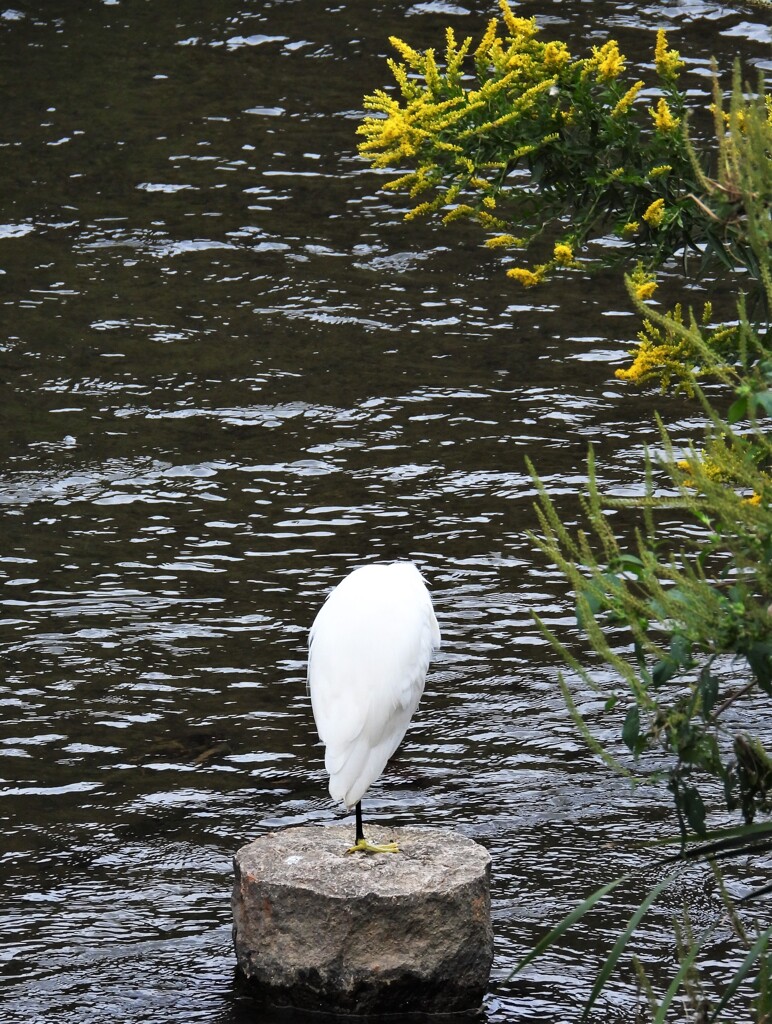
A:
(362, 846)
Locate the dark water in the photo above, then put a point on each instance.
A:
(230, 373)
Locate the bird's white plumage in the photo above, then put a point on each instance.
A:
(369, 651)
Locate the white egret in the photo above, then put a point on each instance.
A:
(369, 651)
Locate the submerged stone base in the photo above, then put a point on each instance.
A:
(409, 932)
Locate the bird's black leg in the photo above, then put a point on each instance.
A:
(361, 845)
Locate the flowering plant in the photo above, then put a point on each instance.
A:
(528, 140)
(540, 147)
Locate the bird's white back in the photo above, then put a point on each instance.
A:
(369, 651)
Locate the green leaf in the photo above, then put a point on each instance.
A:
(675, 984)
(763, 400)
(631, 730)
(663, 671)
(759, 657)
(693, 808)
(707, 686)
(737, 410)
(679, 656)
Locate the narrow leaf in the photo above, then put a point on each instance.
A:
(694, 809)
(631, 730)
(675, 984)
(757, 949)
(708, 687)
(622, 940)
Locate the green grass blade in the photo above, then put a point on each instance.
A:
(622, 940)
(756, 950)
(566, 923)
(675, 984)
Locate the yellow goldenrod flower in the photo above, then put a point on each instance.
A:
(555, 55)
(527, 278)
(663, 118)
(519, 28)
(654, 213)
(504, 241)
(563, 254)
(630, 228)
(408, 54)
(755, 499)
(627, 100)
(643, 285)
(657, 172)
(403, 181)
(406, 87)
(432, 74)
(707, 311)
(685, 467)
(454, 56)
(663, 353)
(524, 102)
(649, 361)
(462, 210)
(606, 61)
(645, 291)
(487, 40)
(667, 61)
(490, 202)
(425, 208)
(489, 221)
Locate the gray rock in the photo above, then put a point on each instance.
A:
(318, 929)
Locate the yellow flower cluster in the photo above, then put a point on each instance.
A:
(606, 62)
(519, 51)
(661, 354)
(654, 213)
(703, 467)
(461, 120)
(642, 283)
(435, 119)
(668, 62)
(528, 278)
(651, 361)
(562, 256)
(504, 242)
(664, 121)
(624, 104)
(669, 350)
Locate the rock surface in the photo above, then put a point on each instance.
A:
(318, 929)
